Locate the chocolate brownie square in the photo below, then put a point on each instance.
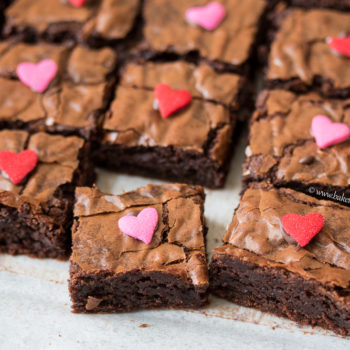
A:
(283, 151)
(97, 21)
(229, 45)
(262, 266)
(191, 146)
(76, 98)
(36, 213)
(53, 20)
(111, 271)
(302, 56)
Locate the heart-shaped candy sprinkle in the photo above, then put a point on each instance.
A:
(170, 101)
(328, 133)
(37, 76)
(77, 3)
(18, 166)
(340, 45)
(142, 226)
(208, 17)
(303, 228)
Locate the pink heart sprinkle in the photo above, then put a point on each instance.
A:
(142, 226)
(37, 76)
(77, 3)
(208, 17)
(328, 133)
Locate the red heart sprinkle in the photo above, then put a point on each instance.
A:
(303, 228)
(77, 3)
(18, 166)
(170, 101)
(341, 45)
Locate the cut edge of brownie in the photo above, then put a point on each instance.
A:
(170, 163)
(241, 277)
(104, 291)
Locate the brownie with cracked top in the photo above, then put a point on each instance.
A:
(113, 272)
(36, 214)
(283, 151)
(261, 266)
(76, 98)
(105, 20)
(190, 146)
(228, 46)
(301, 58)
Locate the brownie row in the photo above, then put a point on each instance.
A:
(287, 172)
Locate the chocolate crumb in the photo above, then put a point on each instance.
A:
(92, 303)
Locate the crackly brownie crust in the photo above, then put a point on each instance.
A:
(35, 216)
(300, 57)
(282, 150)
(112, 272)
(75, 100)
(166, 31)
(309, 285)
(192, 146)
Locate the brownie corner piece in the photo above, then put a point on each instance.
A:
(36, 213)
(113, 272)
(261, 266)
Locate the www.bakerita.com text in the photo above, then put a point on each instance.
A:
(329, 195)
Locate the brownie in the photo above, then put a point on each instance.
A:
(113, 272)
(36, 215)
(105, 20)
(342, 5)
(261, 266)
(230, 45)
(283, 151)
(54, 21)
(192, 146)
(74, 102)
(301, 58)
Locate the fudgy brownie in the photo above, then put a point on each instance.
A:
(283, 150)
(105, 20)
(262, 266)
(230, 44)
(58, 20)
(111, 271)
(75, 99)
(301, 57)
(342, 5)
(36, 214)
(191, 146)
